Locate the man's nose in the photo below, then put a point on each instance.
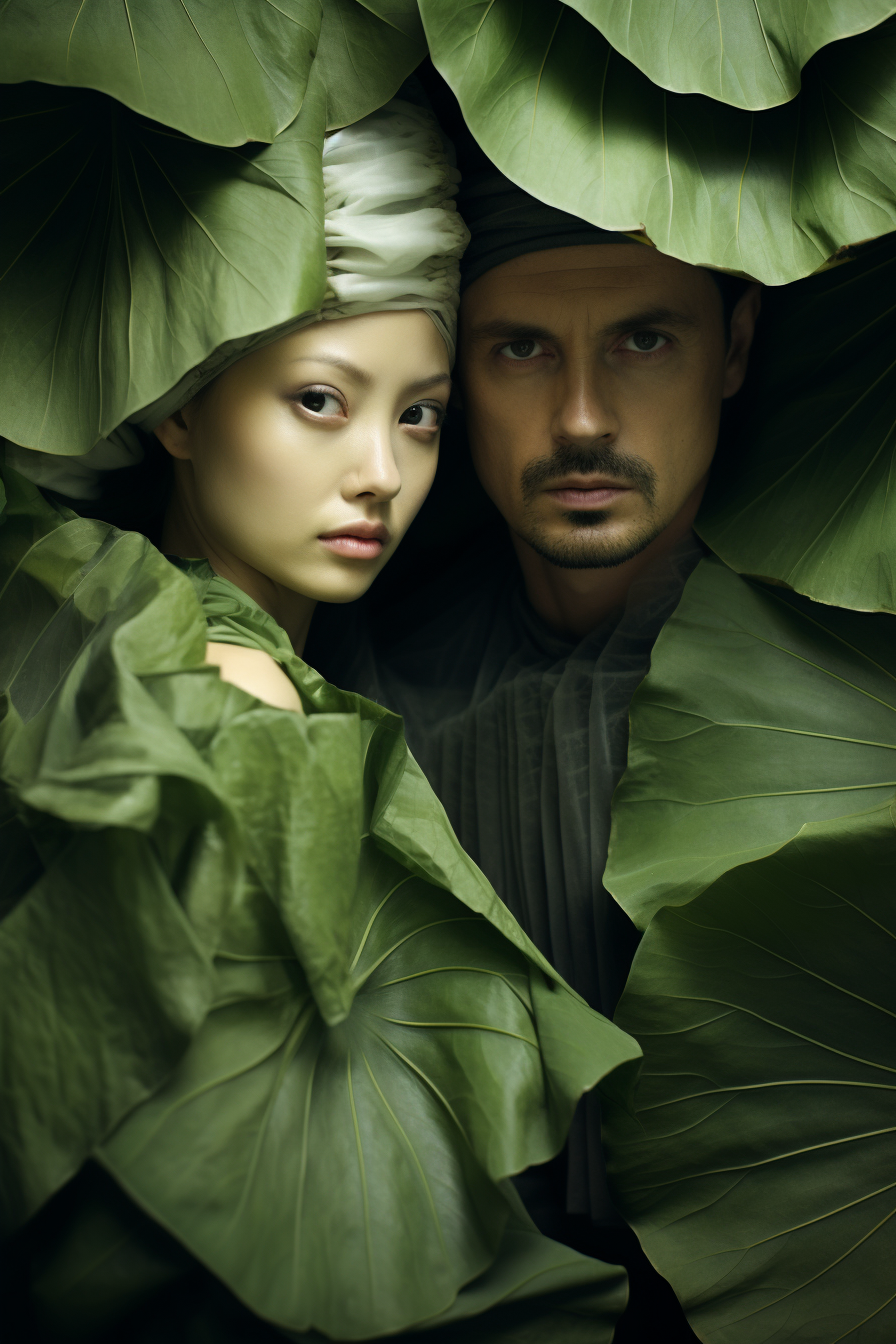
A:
(586, 409)
(376, 475)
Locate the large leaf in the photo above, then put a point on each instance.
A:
(131, 252)
(759, 1171)
(745, 52)
(364, 1155)
(104, 936)
(100, 1267)
(334, 1107)
(223, 71)
(772, 195)
(803, 492)
(367, 49)
(761, 712)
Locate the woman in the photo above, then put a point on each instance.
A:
(247, 972)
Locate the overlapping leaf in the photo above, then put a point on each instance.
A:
(758, 1172)
(367, 49)
(131, 252)
(363, 1155)
(328, 1120)
(761, 712)
(104, 936)
(803, 492)
(772, 195)
(745, 52)
(225, 72)
(103, 1260)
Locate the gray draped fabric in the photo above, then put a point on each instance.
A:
(523, 735)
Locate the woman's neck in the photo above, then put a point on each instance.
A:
(183, 535)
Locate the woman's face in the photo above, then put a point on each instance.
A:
(307, 460)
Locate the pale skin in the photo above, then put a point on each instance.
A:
(593, 379)
(293, 458)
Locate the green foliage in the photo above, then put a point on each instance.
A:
(771, 195)
(367, 49)
(248, 966)
(754, 841)
(388, 1131)
(761, 712)
(803, 492)
(758, 1171)
(131, 253)
(745, 52)
(97, 928)
(225, 72)
(101, 1260)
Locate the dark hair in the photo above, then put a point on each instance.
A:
(133, 498)
(732, 288)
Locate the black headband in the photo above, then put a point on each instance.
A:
(506, 222)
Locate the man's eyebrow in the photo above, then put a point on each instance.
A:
(653, 317)
(506, 329)
(364, 378)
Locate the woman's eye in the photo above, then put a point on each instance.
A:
(319, 402)
(527, 349)
(421, 416)
(645, 342)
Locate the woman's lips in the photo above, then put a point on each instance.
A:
(597, 498)
(353, 547)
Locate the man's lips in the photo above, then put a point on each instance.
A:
(587, 492)
(357, 541)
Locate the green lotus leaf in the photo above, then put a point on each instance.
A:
(365, 1154)
(771, 195)
(96, 927)
(758, 1171)
(803, 493)
(226, 72)
(367, 49)
(761, 712)
(131, 252)
(247, 964)
(748, 53)
(102, 1260)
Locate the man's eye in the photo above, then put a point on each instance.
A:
(319, 402)
(522, 349)
(645, 342)
(422, 416)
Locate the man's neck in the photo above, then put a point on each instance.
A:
(575, 601)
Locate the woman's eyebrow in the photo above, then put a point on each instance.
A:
(423, 384)
(364, 378)
(359, 375)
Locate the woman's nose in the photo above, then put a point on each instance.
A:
(377, 472)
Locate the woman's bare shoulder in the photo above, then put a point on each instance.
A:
(254, 671)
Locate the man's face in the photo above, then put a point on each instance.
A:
(592, 380)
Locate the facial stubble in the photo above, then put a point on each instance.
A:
(585, 547)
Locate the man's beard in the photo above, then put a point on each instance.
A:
(581, 550)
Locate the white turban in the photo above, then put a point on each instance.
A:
(394, 241)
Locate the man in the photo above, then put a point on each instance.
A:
(592, 372)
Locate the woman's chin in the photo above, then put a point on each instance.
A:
(343, 585)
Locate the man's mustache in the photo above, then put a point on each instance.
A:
(603, 460)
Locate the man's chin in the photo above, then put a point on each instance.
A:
(587, 548)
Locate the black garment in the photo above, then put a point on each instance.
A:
(523, 735)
